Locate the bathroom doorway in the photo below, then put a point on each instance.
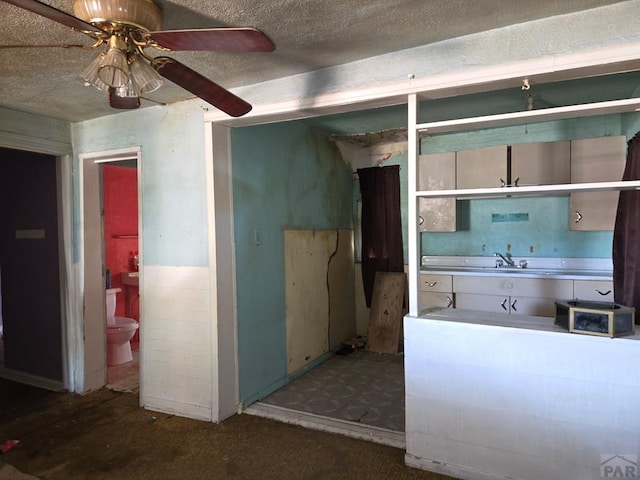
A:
(94, 340)
(119, 186)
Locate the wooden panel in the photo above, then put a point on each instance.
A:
(385, 324)
(307, 256)
(342, 322)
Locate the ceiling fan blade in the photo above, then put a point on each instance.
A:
(243, 39)
(55, 15)
(123, 103)
(204, 88)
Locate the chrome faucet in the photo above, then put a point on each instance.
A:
(508, 260)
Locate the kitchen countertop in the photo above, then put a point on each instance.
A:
(557, 268)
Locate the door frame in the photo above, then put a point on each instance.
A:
(88, 331)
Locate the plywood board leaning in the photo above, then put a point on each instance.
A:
(385, 322)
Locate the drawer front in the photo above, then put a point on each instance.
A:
(435, 283)
(436, 299)
(525, 287)
(597, 290)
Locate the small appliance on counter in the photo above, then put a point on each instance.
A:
(605, 319)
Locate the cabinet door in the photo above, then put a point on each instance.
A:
(597, 290)
(537, 306)
(541, 163)
(483, 303)
(434, 299)
(481, 168)
(596, 160)
(437, 172)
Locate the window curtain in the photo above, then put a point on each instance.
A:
(381, 224)
(626, 235)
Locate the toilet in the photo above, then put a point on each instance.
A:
(120, 331)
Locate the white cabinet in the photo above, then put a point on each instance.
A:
(437, 172)
(596, 160)
(598, 290)
(482, 167)
(540, 163)
(520, 296)
(436, 290)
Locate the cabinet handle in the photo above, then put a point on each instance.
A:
(504, 305)
(430, 285)
(578, 216)
(603, 293)
(515, 184)
(513, 305)
(420, 220)
(503, 183)
(450, 302)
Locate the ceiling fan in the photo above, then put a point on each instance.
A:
(127, 28)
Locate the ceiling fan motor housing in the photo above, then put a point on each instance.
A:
(142, 14)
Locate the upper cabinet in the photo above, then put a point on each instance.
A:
(596, 160)
(541, 163)
(482, 167)
(437, 172)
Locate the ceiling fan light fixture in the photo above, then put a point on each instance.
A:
(144, 14)
(145, 77)
(90, 74)
(114, 70)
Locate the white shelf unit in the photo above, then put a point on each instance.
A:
(415, 130)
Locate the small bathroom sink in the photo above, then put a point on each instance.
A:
(130, 278)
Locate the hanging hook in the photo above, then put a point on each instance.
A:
(525, 84)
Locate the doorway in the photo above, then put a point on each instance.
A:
(94, 263)
(31, 329)
(119, 182)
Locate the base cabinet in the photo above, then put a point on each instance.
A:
(517, 296)
(436, 291)
(537, 306)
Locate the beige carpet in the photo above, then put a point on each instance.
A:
(7, 472)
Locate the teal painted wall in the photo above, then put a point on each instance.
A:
(171, 138)
(285, 176)
(546, 233)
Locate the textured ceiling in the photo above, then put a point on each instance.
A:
(309, 34)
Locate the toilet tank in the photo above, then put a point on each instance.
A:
(111, 301)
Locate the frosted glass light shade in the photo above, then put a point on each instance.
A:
(141, 13)
(146, 78)
(128, 90)
(90, 74)
(114, 70)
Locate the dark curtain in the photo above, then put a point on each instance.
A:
(626, 235)
(381, 224)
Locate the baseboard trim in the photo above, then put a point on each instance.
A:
(326, 424)
(30, 379)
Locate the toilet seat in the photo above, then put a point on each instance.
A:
(122, 324)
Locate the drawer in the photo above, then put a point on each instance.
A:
(435, 283)
(598, 290)
(526, 287)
